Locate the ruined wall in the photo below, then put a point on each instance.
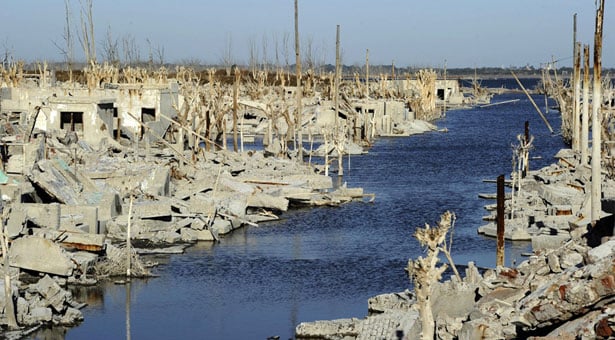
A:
(134, 100)
(93, 125)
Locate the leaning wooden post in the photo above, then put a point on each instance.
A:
(8, 289)
(585, 116)
(544, 119)
(499, 259)
(596, 186)
(128, 250)
(576, 125)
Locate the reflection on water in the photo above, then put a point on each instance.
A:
(325, 263)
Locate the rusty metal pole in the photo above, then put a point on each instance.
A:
(499, 258)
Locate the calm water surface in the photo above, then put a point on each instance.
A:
(325, 263)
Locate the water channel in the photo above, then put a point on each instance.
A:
(325, 263)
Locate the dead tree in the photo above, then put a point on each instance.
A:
(424, 271)
(298, 120)
(87, 39)
(235, 106)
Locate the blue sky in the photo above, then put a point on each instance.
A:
(470, 33)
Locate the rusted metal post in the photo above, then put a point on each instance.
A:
(499, 258)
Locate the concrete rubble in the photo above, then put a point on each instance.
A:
(142, 151)
(557, 293)
(552, 204)
(565, 289)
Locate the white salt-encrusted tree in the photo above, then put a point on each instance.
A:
(424, 271)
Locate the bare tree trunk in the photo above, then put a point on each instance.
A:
(424, 270)
(298, 118)
(235, 107)
(576, 81)
(596, 186)
(337, 75)
(585, 117)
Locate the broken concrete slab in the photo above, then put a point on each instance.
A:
(602, 251)
(40, 255)
(157, 182)
(221, 226)
(85, 215)
(54, 296)
(38, 315)
(43, 215)
(543, 241)
(262, 200)
(151, 209)
(16, 222)
(73, 239)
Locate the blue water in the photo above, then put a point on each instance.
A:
(325, 263)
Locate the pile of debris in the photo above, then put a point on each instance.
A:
(44, 302)
(70, 209)
(560, 293)
(550, 205)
